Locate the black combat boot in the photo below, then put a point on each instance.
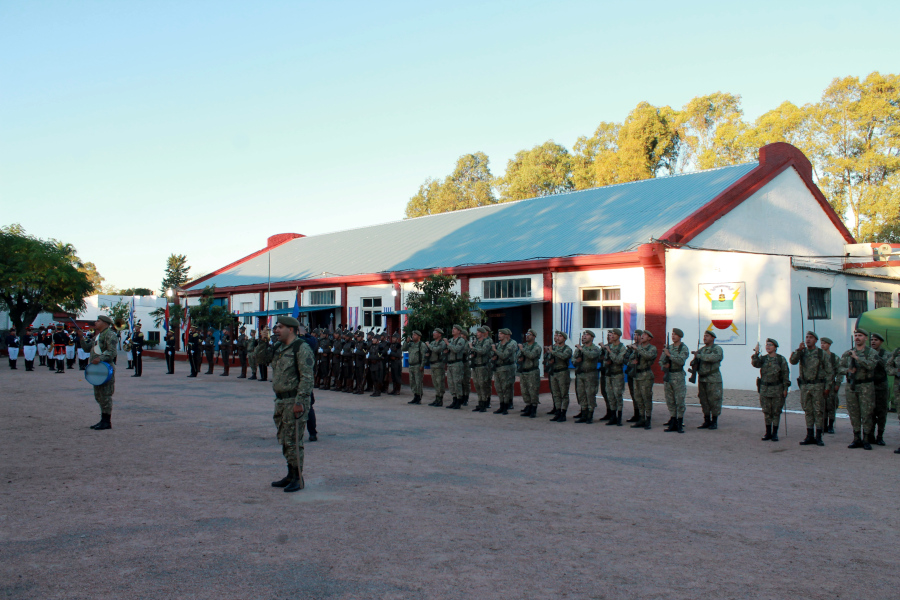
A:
(533, 412)
(465, 399)
(879, 439)
(636, 417)
(296, 484)
(614, 420)
(438, 401)
(857, 441)
(638, 423)
(679, 423)
(830, 428)
(478, 407)
(525, 412)
(819, 441)
(553, 412)
(555, 415)
(897, 451)
(672, 425)
(589, 418)
(768, 435)
(579, 415)
(98, 423)
(647, 422)
(284, 481)
(866, 444)
(715, 422)
(130, 365)
(810, 438)
(560, 416)
(105, 422)
(607, 416)
(457, 404)
(417, 399)
(706, 422)
(774, 433)
(253, 374)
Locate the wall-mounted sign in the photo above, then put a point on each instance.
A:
(723, 310)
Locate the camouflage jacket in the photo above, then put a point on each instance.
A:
(893, 367)
(103, 346)
(252, 342)
(506, 356)
(586, 358)
(560, 354)
(481, 353)
(458, 348)
(773, 371)
(814, 366)
(438, 353)
(240, 344)
(880, 374)
(615, 358)
(292, 373)
(646, 356)
(835, 382)
(416, 352)
(865, 365)
(530, 357)
(710, 358)
(679, 357)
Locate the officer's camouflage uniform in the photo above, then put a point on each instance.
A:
(831, 389)
(103, 346)
(615, 377)
(893, 368)
(587, 376)
(880, 408)
(416, 365)
(467, 370)
(375, 358)
(505, 372)
(643, 380)
(225, 347)
(252, 342)
(455, 371)
(437, 357)
(861, 393)
(529, 373)
(292, 382)
(560, 354)
(710, 388)
(774, 380)
(481, 361)
(815, 374)
(673, 381)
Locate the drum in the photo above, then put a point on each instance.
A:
(98, 374)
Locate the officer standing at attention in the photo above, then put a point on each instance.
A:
(12, 346)
(29, 348)
(772, 384)
(195, 350)
(672, 361)
(458, 346)
(587, 377)
(103, 349)
(815, 374)
(170, 351)
(225, 347)
(437, 356)
(505, 370)
(710, 388)
(263, 354)
(240, 345)
(360, 349)
(645, 356)
(615, 376)
(879, 412)
(858, 365)
(832, 385)
(416, 348)
(209, 346)
(480, 353)
(137, 350)
(559, 355)
(251, 353)
(376, 366)
(292, 382)
(529, 373)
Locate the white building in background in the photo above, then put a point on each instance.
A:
(143, 306)
(738, 250)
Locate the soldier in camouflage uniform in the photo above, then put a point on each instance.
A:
(815, 374)
(240, 346)
(395, 357)
(832, 386)
(710, 388)
(559, 355)
(416, 349)
(263, 354)
(773, 383)
(893, 368)
(858, 366)
(529, 360)
(671, 361)
(336, 347)
(103, 349)
(348, 369)
(225, 348)
(292, 382)
(504, 358)
(880, 410)
(458, 346)
(587, 378)
(480, 354)
(252, 342)
(615, 376)
(645, 355)
(437, 357)
(467, 370)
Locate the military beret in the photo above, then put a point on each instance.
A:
(484, 330)
(678, 332)
(710, 332)
(532, 332)
(243, 328)
(812, 333)
(878, 335)
(590, 333)
(106, 319)
(505, 331)
(562, 333)
(460, 327)
(862, 331)
(636, 333)
(417, 332)
(647, 331)
(439, 330)
(826, 340)
(616, 331)
(773, 341)
(288, 320)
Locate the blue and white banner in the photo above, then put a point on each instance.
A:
(566, 312)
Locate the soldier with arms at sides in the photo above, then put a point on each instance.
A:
(505, 370)
(437, 356)
(29, 348)
(416, 348)
(672, 360)
(645, 356)
(395, 356)
(252, 342)
(773, 383)
(880, 409)
(480, 354)
(815, 374)
(458, 346)
(225, 347)
(137, 350)
(240, 344)
(171, 340)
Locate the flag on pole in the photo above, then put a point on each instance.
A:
(187, 326)
(353, 316)
(629, 320)
(167, 317)
(131, 315)
(566, 310)
(296, 311)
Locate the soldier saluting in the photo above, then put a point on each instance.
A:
(773, 383)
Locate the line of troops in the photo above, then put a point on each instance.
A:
(55, 346)
(251, 352)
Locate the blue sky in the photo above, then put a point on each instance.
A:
(135, 129)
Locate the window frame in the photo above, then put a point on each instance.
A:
(281, 304)
(371, 314)
(850, 301)
(809, 304)
(324, 293)
(601, 304)
(515, 288)
(884, 296)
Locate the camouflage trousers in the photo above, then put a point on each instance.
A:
(812, 401)
(675, 390)
(831, 403)
(466, 378)
(710, 394)
(437, 380)
(880, 410)
(290, 432)
(416, 377)
(504, 380)
(103, 394)
(530, 383)
(251, 358)
(643, 396)
(615, 385)
(861, 407)
(455, 379)
(559, 389)
(483, 384)
(771, 400)
(586, 385)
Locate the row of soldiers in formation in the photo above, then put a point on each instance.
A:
(54, 346)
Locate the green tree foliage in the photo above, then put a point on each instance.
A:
(541, 171)
(176, 316)
(134, 292)
(712, 130)
(436, 304)
(118, 312)
(208, 314)
(39, 276)
(470, 185)
(176, 272)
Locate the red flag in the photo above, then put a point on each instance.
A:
(167, 317)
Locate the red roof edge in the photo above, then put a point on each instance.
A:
(773, 160)
(273, 242)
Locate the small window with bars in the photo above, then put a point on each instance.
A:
(321, 298)
(818, 303)
(882, 299)
(858, 301)
(506, 288)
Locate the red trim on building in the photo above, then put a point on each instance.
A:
(774, 159)
(343, 304)
(548, 308)
(653, 259)
(273, 242)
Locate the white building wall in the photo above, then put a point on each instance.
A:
(355, 295)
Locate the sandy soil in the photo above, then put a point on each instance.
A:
(419, 502)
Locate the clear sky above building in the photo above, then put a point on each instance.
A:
(135, 130)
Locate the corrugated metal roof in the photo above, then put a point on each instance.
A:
(597, 221)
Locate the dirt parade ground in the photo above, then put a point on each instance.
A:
(419, 502)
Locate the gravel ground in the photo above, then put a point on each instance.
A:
(418, 502)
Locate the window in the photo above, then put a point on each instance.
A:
(321, 298)
(818, 303)
(153, 337)
(601, 308)
(281, 304)
(882, 299)
(859, 302)
(506, 288)
(371, 309)
(245, 308)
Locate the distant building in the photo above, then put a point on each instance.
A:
(738, 250)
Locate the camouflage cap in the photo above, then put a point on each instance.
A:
(484, 330)
(616, 331)
(877, 336)
(417, 332)
(678, 332)
(636, 333)
(288, 320)
(862, 331)
(812, 333)
(106, 319)
(647, 332)
(505, 331)
(710, 332)
(589, 332)
(532, 332)
(439, 330)
(460, 328)
(562, 333)
(773, 341)
(826, 340)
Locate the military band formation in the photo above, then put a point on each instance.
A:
(354, 362)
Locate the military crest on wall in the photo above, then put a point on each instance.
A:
(723, 311)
